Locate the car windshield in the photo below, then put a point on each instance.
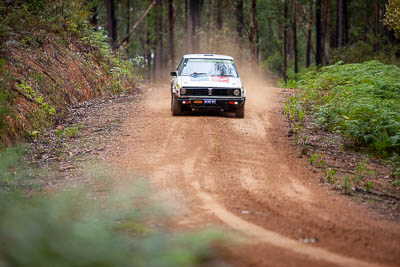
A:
(209, 67)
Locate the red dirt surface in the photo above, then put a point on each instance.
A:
(243, 175)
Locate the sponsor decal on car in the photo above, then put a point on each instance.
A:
(199, 78)
(221, 79)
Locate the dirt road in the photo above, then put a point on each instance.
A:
(243, 174)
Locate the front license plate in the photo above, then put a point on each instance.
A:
(210, 101)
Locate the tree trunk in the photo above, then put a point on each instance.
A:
(218, 21)
(93, 17)
(318, 37)
(159, 55)
(239, 18)
(346, 22)
(294, 28)
(376, 30)
(193, 15)
(146, 52)
(342, 23)
(112, 23)
(196, 8)
(189, 28)
(171, 22)
(252, 33)
(135, 25)
(324, 30)
(309, 36)
(208, 24)
(333, 28)
(285, 30)
(128, 18)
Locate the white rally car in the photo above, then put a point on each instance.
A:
(207, 81)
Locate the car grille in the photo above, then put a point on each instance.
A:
(205, 92)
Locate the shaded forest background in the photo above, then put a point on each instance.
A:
(57, 53)
(283, 36)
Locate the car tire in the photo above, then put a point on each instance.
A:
(240, 112)
(176, 107)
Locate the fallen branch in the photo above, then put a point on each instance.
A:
(136, 24)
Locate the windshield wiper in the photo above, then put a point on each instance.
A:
(227, 75)
(197, 73)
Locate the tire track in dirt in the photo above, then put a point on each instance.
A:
(258, 233)
(212, 167)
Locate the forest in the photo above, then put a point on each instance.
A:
(95, 171)
(285, 37)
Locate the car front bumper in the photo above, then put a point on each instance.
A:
(204, 103)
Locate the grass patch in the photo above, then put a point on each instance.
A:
(358, 101)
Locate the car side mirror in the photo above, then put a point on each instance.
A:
(173, 73)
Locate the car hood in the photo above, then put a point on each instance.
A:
(209, 81)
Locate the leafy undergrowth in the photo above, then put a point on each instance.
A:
(109, 225)
(51, 59)
(345, 109)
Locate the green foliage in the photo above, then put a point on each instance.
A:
(274, 63)
(362, 51)
(116, 64)
(68, 132)
(347, 185)
(82, 228)
(4, 97)
(396, 183)
(330, 175)
(12, 177)
(368, 186)
(44, 31)
(29, 21)
(313, 158)
(362, 172)
(294, 109)
(392, 16)
(360, 101)
(72, 230)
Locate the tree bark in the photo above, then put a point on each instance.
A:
(294, 29)
(93, 17)
(318, 37)
(324, 31)
(239, 18)
(342, 23)
(146, 52)
(218, 21)
(208, 23)
(376, 30)
(136, 24)
(128, 18)
(159, 55)
(309, 36)
(346, 22)
(171, 22)
(285, 30)
(333, 29)
(252, 33)
(196, 8)
(112, 23)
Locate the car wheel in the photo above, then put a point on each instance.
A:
(240, 112)
(176, 107)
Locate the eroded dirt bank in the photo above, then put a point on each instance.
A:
(242, 174)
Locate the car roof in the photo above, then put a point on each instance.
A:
(215, 56)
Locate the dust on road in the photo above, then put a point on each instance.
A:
(243, 174)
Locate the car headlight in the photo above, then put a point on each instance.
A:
(236, 92)
(183, 91)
